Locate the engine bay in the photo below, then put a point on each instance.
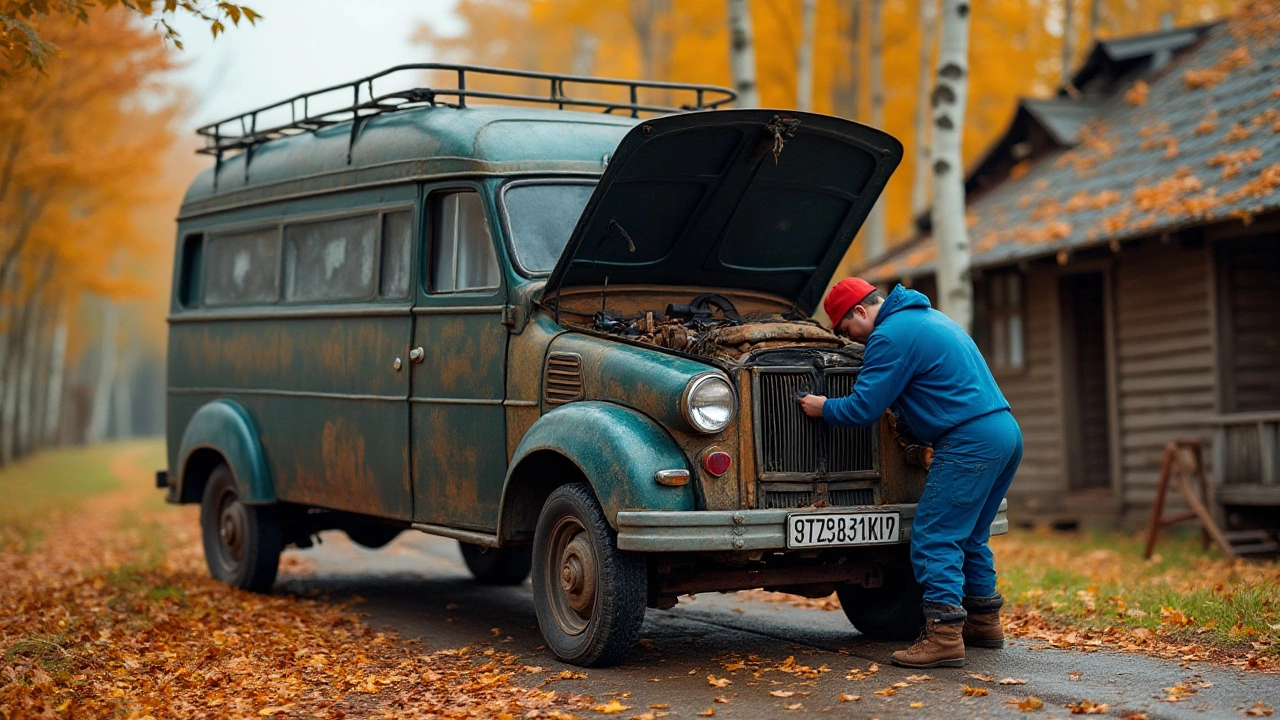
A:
(710, 325)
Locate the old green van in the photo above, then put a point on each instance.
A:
(567, 333)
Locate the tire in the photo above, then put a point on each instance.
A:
(371, 534)
(892, 611)
(590, 596)
(242, 543)
(497, 566)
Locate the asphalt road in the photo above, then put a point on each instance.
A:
(419, 586)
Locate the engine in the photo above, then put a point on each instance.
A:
(710, 326)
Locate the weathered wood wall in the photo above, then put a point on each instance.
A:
(1035, 394)
(1165, 358)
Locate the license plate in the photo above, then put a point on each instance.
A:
(836, 529)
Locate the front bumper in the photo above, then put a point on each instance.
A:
(721, 530)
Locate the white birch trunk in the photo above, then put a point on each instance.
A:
(123, 391)
(57, 368)
(955, 289)
(742, 54)
(875, 227)
(9, 411)
(920, 184)
(26, 379)
(1095, 19)
(804, 61)
(1068, 39)
(584, 55)
(100, 415)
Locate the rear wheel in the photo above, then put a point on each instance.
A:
(892, 611)
(497, 566)
(589, 595)
(242, 543)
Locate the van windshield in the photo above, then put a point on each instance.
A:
(541, 217)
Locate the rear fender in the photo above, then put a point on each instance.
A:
(225, 427)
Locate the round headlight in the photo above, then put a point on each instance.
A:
(709, 403)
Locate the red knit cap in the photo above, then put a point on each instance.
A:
(847, 293)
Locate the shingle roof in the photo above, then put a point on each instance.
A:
(1194, 141)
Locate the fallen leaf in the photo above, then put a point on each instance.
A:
(1075, 676)
(901, 685)
(1178, 693)
(984, 677)
(1087, 707)
(782, 693)
(1135, 715)
(1012, 681)
(613, 707)
(917, 704)
(714, 681)
(1030, 704)
(973, 691)
(659, 706)
(720, 699)
(918, 678)
(731, 666)
(849, 698)
(707, 713)
(887, 692)
(1259, 709)
(794, 706)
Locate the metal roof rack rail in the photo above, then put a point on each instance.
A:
(245, 131)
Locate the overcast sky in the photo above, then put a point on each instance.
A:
(300, 45)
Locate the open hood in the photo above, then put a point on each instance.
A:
(765, 200)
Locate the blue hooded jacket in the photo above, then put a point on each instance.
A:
(924, 366)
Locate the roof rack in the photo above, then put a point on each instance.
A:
(245, 131)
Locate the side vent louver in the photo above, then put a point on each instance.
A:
(564, 378)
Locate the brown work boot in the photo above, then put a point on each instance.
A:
(982, 626)
(940, 643)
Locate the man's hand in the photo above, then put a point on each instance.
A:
(812, 405)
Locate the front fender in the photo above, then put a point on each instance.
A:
(226, 427)
(618, 450)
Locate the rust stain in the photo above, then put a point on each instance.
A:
(349, 483)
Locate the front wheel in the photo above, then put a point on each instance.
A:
(242, 543)
(589, 596)
(893, 611)
(497, 566)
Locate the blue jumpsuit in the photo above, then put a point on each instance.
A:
(927, 370)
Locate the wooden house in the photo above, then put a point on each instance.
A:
(1125, 242)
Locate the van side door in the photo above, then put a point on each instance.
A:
(458, 421)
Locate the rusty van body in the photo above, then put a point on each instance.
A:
(570, 340)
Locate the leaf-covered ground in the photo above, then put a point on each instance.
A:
(1092, 590)
(109, 612)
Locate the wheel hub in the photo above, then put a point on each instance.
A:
(232, 524)
(572, 571)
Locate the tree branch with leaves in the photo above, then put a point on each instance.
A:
(22, 45)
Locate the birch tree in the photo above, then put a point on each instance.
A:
(848, 93)
(928, 39)
(57, 369)
(955, 290)
(100, 414)
(1068, 39)
(742, 54)
(1095, 19)
(804, 61)
(875, 227)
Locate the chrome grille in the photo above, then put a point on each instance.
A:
(806, 498)
(791, 442)
(848, 449)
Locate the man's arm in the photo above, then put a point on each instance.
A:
(883, 376)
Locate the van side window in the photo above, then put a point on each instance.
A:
(462, 255)
(242, 268)
(397, 247)
(331, 259)
(189, 280)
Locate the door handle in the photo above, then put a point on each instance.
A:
(417, 354)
